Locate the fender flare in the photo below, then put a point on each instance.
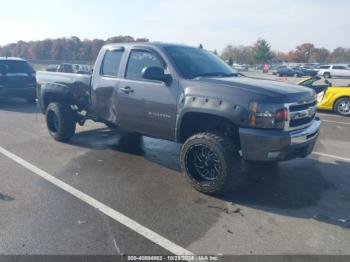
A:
(52, 91)
(211, 106)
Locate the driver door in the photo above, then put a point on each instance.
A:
(146, 106)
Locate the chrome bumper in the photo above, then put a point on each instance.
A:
(307, 134)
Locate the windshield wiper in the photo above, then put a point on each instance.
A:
(213, 74)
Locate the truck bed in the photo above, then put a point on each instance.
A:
(63, 78)
(78, 85)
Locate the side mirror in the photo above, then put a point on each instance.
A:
(154, 73)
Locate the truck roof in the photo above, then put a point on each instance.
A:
(156, 44)
(12, 58)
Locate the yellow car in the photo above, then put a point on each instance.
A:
(335, 98)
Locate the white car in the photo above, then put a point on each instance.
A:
(328, 71)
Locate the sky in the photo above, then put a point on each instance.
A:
(214, 23)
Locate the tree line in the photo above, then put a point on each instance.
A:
(75, 49)
(261, 52)
(63, 49)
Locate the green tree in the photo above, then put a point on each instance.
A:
(262, 51)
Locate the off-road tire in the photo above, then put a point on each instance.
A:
(226, 151)
(60, 121)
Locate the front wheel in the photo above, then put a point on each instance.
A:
(60, 121)
(342, 106)
(211, 162)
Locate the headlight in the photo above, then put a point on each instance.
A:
(266, 115)
(320, 96)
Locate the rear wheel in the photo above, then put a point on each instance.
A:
(211, 162)
(60, 121)
(342, 106)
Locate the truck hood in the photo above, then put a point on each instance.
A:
(249, 89)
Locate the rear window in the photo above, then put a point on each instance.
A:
(111, 63)
(9, 66)
(325, 67)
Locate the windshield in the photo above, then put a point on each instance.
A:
(9, 66)
(195, 62)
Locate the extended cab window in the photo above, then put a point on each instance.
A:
(138, 60)
(111, 63)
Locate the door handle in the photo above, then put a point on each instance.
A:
(127, 90)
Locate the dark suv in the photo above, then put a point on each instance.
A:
(17, 79)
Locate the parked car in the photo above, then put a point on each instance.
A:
(311, 65)
(52, 68)
(334, 98)
(65, 68)
(329, 71)
(188, 95)
(240, 67)
(288, 71)
(83, 69)
(17, 79)
(307, 71)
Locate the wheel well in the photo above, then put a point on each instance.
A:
(336, 101)
(193, 123)
(54, 97)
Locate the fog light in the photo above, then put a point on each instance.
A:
(273, 155)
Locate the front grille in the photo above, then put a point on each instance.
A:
(294, 108)
(301, 114)
(301, 121)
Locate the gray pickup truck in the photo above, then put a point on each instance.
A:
(190, 96)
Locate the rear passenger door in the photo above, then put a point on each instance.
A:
(104, 89)
(341, 71)
(147, 106)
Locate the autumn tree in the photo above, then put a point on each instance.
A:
(238, 54)
(302, 53)
(319, 55)
(340, 55)
(62, 49)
